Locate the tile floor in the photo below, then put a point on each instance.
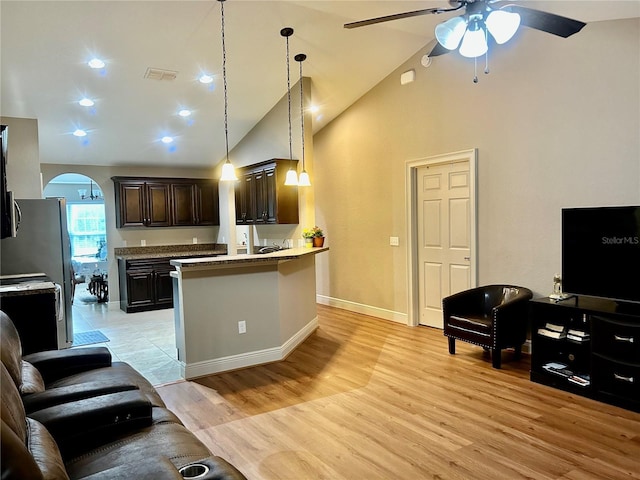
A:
(145, 340)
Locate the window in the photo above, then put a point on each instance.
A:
(87, 229)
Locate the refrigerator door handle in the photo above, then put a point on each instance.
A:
(16, 218)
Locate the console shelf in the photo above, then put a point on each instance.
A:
(587, 346)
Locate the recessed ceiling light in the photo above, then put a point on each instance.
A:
(314, 109)
(80, 133)
(205, 78)
(185, 112)
(96, 63)
(166, 139)
(86, 102)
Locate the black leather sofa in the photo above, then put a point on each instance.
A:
(105, 421)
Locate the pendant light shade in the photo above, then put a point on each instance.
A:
(292, 175)
(228, 172)
(502, 25)
(304, 180)
(449, 34)
(292, 178)
(474, 42)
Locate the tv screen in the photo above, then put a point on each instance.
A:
(601, 252)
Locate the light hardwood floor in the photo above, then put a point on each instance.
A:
(364, 398)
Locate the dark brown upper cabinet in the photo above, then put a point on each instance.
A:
(165, 202)
(262, 197)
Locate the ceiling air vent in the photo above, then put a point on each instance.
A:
(160, 74)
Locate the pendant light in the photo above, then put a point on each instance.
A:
(228, 172)
(303, 181)
(292, 176)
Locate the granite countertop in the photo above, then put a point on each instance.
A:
(27, 288)
(171, 251)
(281, 255)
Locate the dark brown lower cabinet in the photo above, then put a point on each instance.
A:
(145, 284)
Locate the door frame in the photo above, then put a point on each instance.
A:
(411, 168)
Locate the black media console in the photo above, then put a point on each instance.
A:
(588, 346)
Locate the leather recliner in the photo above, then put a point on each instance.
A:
(493, 317)
(106, 437)
(47, 378)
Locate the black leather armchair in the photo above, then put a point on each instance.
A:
(493, 317)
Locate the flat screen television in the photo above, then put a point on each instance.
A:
(601, 252)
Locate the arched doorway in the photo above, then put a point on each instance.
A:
(86, 225)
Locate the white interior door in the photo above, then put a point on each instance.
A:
(444, 228)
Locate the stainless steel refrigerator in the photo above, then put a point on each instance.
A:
(42, 246)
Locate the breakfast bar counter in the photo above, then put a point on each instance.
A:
(236, 311)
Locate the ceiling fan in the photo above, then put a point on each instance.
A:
(481, 22)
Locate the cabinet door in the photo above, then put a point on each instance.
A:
(271, 202)
(241, 201)
(207, 212)
(131, 211)
(163, 285)
(261, 205)
(285, 210)
(246, 200)
(140, 286)
(183, 208)
(158, 212)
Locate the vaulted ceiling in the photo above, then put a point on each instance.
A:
(45, 46)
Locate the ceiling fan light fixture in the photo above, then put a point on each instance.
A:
(450, 33)
(502, 25)
(474, 42)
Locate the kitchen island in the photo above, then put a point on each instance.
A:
(236, 311)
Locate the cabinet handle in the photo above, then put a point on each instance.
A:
(618, 338)
(623, 378)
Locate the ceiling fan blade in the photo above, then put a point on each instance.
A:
(398, 16)
(547, 22)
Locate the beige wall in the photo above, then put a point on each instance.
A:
(556, 124)
(23, 160)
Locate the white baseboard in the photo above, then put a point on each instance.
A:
(249, 359)
(383, 313)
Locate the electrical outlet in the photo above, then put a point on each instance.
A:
(242, 326)
(394, 241)
(143, 243)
